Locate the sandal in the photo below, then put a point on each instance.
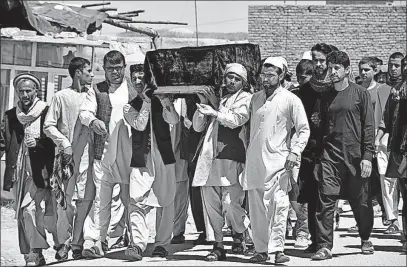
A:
(393, 229)
(92, 253)
(217, 254)
(353, 229)
(322, 254)
(237, 248)
(260, 257)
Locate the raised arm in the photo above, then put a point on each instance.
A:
(236, 115)
(137, 120)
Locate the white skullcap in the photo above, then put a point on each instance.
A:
(307, 55)
(237, 68)
(278, 62)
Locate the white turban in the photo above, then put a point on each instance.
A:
(237, 68)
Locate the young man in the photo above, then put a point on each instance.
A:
(222, 157)
(60, 125)
(152, 178)
(394, 76)
(271, 156)
(379, 94)
(304, 71)
(309, 95)
(29, 163)
(344, 165)
(394, 123)
(102, 112)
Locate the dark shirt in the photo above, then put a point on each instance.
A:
(347, 131)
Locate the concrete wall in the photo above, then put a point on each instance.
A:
(359, 30)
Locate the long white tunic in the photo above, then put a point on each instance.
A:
(63, 127)
(272, 120)
(210, 171)
(156, 181)
(117, 150)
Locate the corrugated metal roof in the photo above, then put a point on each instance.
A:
(49, 17)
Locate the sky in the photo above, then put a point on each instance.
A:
(213, 16)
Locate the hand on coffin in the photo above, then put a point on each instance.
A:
(166, 100)
(209, 93)
(207, 110)
(146, 94)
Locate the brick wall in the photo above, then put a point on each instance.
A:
(358, 2)
(289, 30)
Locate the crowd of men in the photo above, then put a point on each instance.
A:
(89, 167)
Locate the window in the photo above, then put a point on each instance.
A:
(16, 52)
(54, 55)
(4, 91)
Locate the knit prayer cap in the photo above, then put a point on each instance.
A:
(27, 76)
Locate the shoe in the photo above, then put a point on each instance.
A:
(34, 259)
(404, 247)
(62, 253)
(367, 247)
(134, 253)
(77, 254)
(122, 242)
(311, 249)
(217, 254)
(92, 253)
(392, 229)
(353, 229)
(281, 257)
(322, 254)
(301, 242)
(237, 245)
(259, 257)
(159, 252)
(178, 239)
(201, 240)
(385, 222)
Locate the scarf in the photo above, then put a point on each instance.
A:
(30, 121)
(321, 85)
(391, 81)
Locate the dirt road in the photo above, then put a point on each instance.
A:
(346, 250)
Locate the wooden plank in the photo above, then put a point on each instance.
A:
(179, 89)
(158, 22)
(148, 32)
(131, 12)
(107, 9)
(120, 17)
(96, 4)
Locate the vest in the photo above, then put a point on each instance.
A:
(141, 140)
(104, 112)
(230, 145)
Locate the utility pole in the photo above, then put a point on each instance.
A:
(196, 25)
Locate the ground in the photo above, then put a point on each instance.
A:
(346, 249)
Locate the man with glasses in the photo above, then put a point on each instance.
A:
(271, 157)
(111, 152)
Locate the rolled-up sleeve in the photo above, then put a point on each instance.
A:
(199, 121)
(51, 124)
(88, 109)
(236, 115)
(138, 120)
(302, 130)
